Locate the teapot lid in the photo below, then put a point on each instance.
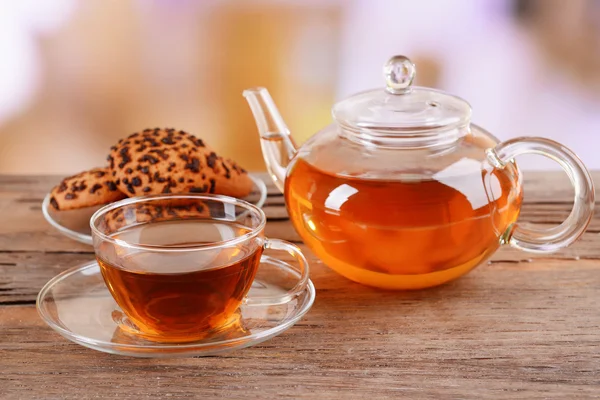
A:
(401, 108)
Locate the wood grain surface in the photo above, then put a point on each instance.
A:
(521, 326)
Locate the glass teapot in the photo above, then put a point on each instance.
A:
(402, 191)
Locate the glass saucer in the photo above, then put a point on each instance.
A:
(77, 304)
(75, 224)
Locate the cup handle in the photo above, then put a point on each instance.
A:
(551, 239)
(302, 270)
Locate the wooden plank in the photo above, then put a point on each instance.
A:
(500, 332)
(22, 274)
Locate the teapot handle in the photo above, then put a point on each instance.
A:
(552, 239)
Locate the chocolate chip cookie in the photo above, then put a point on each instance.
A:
(86, 189)
(166, 210)
(168, 161)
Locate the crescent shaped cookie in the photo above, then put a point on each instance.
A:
(168, 161)
(86, 189)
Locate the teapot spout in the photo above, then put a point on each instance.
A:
(277, 145)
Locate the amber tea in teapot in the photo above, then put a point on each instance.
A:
(403, 191)
(387, 232)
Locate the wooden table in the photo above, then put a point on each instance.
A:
(524, 326)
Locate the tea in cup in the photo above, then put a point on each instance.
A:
(180, 266)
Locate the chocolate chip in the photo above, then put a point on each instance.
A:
(95, 188)
(199, 208)
(141, 148)
(143, 211)
(126, 180)
(190, 181)
(150, 140)
(181, 180)
(144, 170)
(212, 185)
(184, 146)
(167, 189)
(79, 187)
(198, 142)
(63, 186)
(70, 196)
(100, 174)
(136, 181)
(147, 130)
(125, 157)
(197, 189)
(184, 157)
(146, 189)
(167, 140)
(161, 179)
(128, 171)
(160, 153)
(211, 160)
(194, 165)
(54, 203)
(147, 157)
(130, 189)
(227, 172)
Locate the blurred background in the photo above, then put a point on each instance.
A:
(76, 75)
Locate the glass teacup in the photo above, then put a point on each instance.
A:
(180, 266)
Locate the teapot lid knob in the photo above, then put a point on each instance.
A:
(399, 73)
